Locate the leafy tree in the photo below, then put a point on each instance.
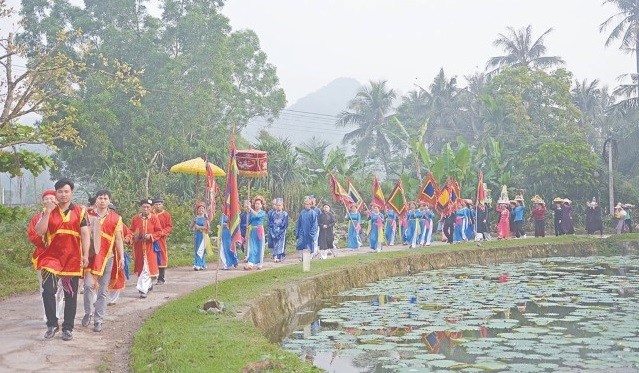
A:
(522, 50)
(370, 111)
(533, 106)
(41, 89)
(319, 162)
(202, 80)
(563, 169)
(625, 27)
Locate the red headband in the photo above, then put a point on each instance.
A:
(48, 192)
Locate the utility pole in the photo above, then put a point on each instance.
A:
(611, 194)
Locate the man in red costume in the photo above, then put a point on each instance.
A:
(106, 228)
(65, 226)
(40, 244)
(119, 273)
(167, 226)
(145, 230)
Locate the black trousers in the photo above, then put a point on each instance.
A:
(540, 228)
(519, 228)
(49, 289)
(448, 232)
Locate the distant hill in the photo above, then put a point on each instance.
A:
(313, 115)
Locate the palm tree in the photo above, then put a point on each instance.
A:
(625, 26)
(521, 50)
(370, 112)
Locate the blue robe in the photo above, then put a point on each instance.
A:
(255, 240)
(277, 224)
(354, 220)
(228, 255)
(305, 230)
(375, 236)
(414, 227)
(199, 261)
(427, 227)
(390, 227)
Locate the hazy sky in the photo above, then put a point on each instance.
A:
(406, 42)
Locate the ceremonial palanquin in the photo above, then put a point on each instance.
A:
(252, 163)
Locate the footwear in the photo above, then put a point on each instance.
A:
(160, 282)
(67, 335)
(142, 295)
(111, 304)
(151, 288)
(86, 320)
(97, 327)
(51, 330)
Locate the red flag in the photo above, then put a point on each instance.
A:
(211, 190)
(481, 191)
(232, 206)
(378, 194)
(338, 191)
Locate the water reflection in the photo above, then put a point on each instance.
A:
(558, 314)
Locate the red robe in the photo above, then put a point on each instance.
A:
(39, 242)
(167, 226)
(143, 248)
(118, 277)
(63, 255)
(107, 228)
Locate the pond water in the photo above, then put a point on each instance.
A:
(545, 315)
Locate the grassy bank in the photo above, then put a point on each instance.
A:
(179, 337)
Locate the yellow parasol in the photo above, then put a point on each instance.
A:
(196, 166)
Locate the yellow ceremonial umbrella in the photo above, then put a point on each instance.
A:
(196, 166)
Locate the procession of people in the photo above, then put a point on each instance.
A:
(75, 242)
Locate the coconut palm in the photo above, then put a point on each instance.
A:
(625, 26)
(369, 112)
(521, 50)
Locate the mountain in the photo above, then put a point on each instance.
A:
(313, 115)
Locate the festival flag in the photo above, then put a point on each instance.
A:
(354, 195)
(429, 190)
(443, 200)
(455, 192)
(378, 194)
(232, 197)
(338, 191)
(397, 199)
(481, 190)
(211, 191)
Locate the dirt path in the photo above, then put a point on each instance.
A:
(22, 327)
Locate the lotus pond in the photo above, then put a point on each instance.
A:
(545, 315)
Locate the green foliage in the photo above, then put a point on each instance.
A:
(11, 214)
(538, 106)
(16, 274)
(564, 169)
(200, 79)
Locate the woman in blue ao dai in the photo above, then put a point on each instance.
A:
(277, 224)
(200, 226)
(414, 229)
(427, 225)
(390, 227)
(354, 219)
(228, 253)
(459, 234)
(376, 234)
(255, 239)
